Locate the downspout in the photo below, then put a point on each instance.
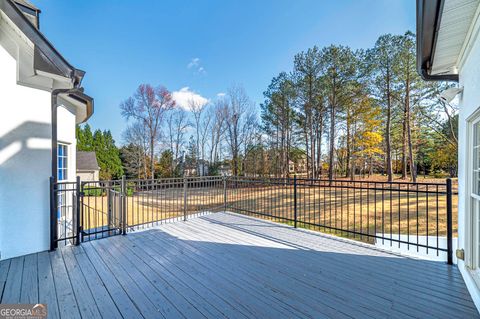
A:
(54, 106)
(54, 178)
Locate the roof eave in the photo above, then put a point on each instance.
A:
(51, 55)
(85, 99)
(429, 14)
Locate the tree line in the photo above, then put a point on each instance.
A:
(340, 112)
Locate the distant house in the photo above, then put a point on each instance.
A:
(87, 166)
(41, 102)
(298, 165)
(200, 168)
(448, 49)
(225, 169)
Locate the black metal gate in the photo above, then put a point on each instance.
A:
(83, 211)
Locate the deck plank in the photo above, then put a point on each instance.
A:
(125, 305)
(13, 284)
(351, 270)
(323, 280)
(173, 296)
(4, 268)
(46, 285)
(135, 293)
(416, 272)
(227, 265)
(228, 285)
(167, 309)
(268, 275)
(227, 306)
(106, 305)
(85, 300)
(67, 304)
(200, 302)
(29, 293)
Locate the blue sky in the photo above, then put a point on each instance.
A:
(205, 46)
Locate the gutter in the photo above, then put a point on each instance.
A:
(429, 16)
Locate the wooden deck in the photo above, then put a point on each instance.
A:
(229, 265)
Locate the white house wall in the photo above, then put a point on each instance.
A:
(25, 161)
(469, 104)
(66, 135)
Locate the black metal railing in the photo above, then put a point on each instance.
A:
(408, 215)
(398, 214)
(83, 211)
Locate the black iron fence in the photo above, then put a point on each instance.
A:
(83, 211)
(407, 215)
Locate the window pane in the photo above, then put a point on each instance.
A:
(62, 161)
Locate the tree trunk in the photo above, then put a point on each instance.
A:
(404, 141)
(413, 168)
(387, 131)
(332, 142)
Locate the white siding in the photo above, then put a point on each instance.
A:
(25, 162)
(469, 103)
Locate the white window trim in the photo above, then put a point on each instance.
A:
(471, 259)
(67, 146)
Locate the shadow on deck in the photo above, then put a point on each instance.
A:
(229, 265)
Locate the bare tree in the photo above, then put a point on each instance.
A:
(239, 119)
(216, 131)
(197, 108)
(177, 125)
(148, 106)
(135, 135)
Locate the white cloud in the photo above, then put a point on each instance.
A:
(221, 94)
(185, 96)
(195, 65)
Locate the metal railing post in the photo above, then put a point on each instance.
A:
(185, 186)
(449, 223)
(53, 215)
(78, 194)
(224, 193)
(295, 200)
(110, 220)
(123, 194)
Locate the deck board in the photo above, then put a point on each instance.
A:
(233, 266)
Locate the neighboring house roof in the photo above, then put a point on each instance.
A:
(87, 161)
(46, 58)
(443, 29)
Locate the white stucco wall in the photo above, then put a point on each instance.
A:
(469, 103)
(25, 162)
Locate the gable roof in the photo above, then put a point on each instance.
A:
(45, 57)
(87, 161)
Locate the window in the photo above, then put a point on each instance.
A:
(476, 159)
(62, 158)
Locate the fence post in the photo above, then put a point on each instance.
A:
(185, 198)
(78, 205)
(224, 193)
(449, 223)
(123, 195)
(295, 200)
(110, 220)
(53, 216)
